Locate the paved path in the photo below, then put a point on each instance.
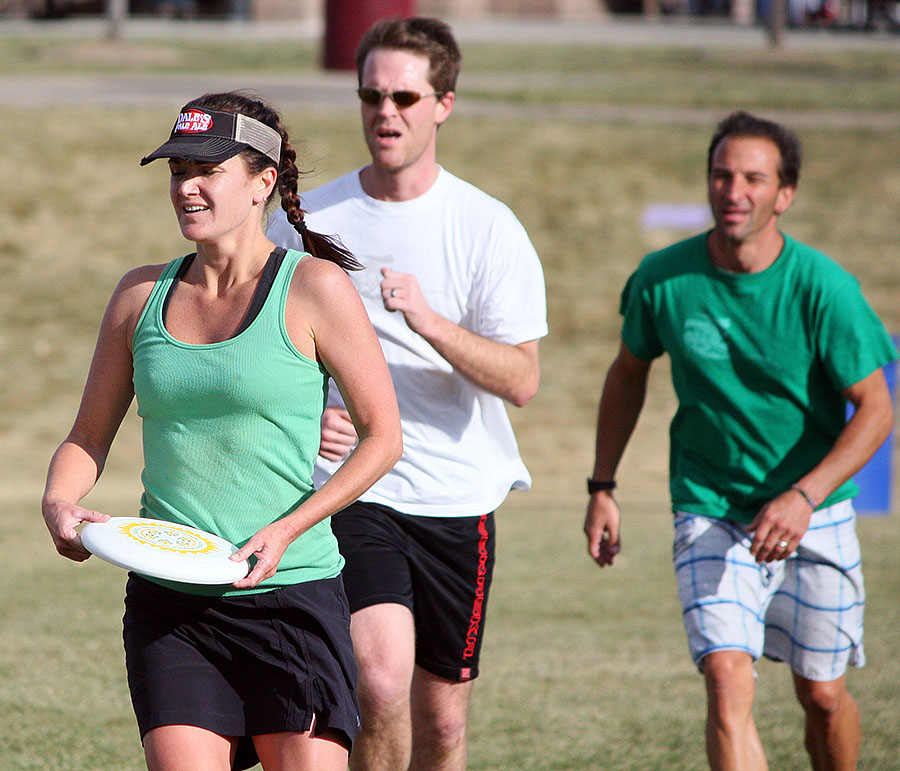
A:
(336, 91)
(331, 90)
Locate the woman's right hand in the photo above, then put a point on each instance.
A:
(61, 518)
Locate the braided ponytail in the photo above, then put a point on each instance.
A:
(318, 245)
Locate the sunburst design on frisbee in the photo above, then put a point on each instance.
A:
(162, 549)
(169, 537)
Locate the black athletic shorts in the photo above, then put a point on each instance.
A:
(242, 666)
(438, 567)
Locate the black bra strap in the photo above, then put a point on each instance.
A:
(273, 264)
(263, 287)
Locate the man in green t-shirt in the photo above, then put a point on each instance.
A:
(768, 340)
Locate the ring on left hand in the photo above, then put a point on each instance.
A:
(782, 544)
(393, 292)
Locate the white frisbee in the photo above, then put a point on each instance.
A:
(162, 549)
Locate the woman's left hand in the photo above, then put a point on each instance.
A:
(268, 546)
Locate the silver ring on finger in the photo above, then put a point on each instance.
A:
(393, 292)
(782, 544)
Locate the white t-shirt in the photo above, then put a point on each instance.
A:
(476, 267)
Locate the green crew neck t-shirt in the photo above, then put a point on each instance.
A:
(758, 363)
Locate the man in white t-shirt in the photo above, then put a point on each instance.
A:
(455, 291)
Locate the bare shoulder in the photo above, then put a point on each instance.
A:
(321, 301)
(132, 292)
(318, 281)
(137, 278)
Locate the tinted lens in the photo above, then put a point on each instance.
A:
(375, 97)
(370, 96)
(405, 98)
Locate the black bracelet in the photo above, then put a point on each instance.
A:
(810, 501)
(595, 486)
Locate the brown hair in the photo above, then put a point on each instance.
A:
(427, 37)
(743, 124)
(318, 245)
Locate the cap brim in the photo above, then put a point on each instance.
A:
(202, 149)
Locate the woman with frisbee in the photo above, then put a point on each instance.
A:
(228, 352)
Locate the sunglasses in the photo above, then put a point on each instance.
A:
(402, 99)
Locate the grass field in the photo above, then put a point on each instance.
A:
(583, 669)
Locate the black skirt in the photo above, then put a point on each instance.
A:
(242, 666)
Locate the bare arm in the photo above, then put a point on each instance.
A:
(509, 371)
(78, 462)
(326, 318)
(620, 406)
(786, 518)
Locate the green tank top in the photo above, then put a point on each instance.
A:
(231, 431)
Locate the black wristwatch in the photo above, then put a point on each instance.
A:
(595, 486)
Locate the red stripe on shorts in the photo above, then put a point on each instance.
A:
(478, 603)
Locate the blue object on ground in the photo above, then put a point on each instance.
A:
(875, 479)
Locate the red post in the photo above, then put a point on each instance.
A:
(346, 21)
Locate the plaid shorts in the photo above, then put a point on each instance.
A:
(806, 610)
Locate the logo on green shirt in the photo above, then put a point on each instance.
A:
(704, 336)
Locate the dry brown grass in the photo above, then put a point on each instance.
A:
(584, 669)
